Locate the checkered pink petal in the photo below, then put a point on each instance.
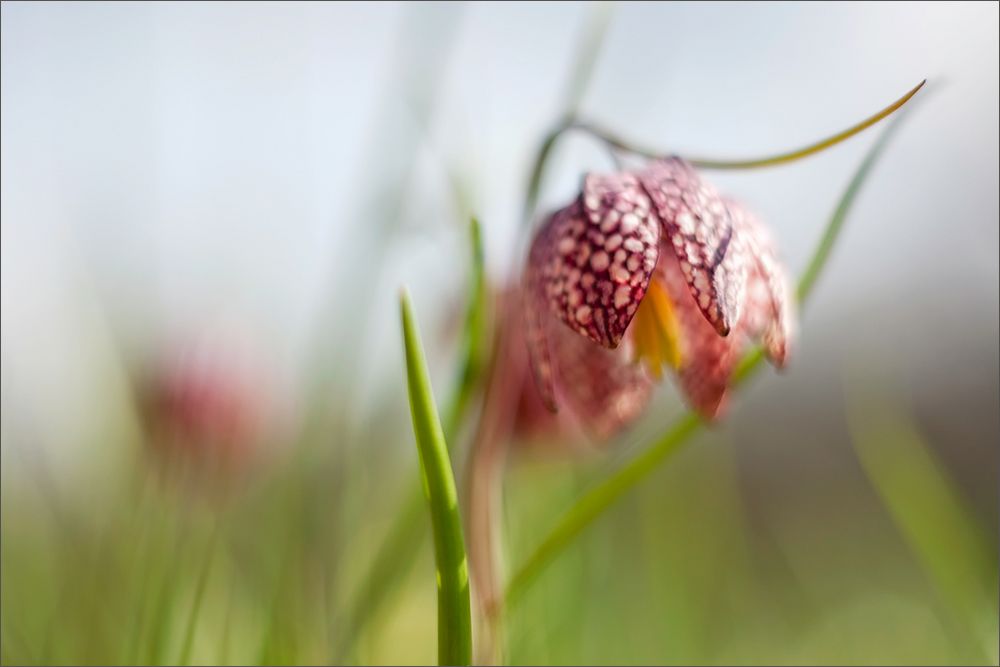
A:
(593, 259)
(698, 227)
(770, 297)
(707, 359)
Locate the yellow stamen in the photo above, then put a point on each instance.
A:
(657, 336)
(647, 340)
(670, 332)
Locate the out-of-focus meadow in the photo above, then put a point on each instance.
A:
(208, 210)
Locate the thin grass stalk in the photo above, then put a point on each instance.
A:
(399, 548)
(199, 596)
(454, 609)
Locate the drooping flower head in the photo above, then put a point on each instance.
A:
(659, 261)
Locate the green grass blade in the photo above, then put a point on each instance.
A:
(454, 612)
(932, 517)
(401, 545)
(593, 503)
(199, 595)
(470, 365)
(588, 48)
(227, 628)
(823, 249)
(396, 555)
(164, 596)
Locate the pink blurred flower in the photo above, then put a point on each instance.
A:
(656, 259)
(212, 405)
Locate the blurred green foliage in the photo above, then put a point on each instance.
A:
(684, 570)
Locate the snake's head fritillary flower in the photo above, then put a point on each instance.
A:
(659, 261)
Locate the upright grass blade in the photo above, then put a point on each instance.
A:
(402, 542)
(931, 516)
(471, 359)
(588, 48)
(454, 612)
(199, 595)
(164, 596)
(227, 629)
(594, 502)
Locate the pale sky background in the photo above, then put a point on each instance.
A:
(185, 169)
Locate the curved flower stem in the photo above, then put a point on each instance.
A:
(594, 502)
(571, 122)
(538, 168)
(753, 163)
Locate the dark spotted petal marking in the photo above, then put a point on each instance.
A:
(698, 226)
(593, 259)
(770, 299)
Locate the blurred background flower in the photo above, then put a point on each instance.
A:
(212, 404)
